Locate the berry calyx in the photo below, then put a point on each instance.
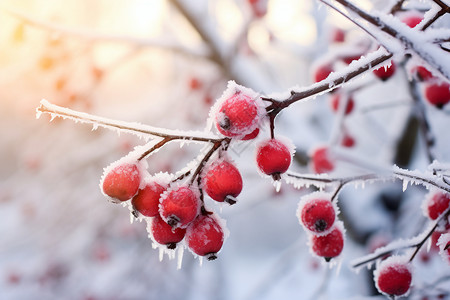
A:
(438, 94)
(435, 204)
(146, 201)
(384, 73)
(393, 276)
(336, 100)
(329, 245)
(121, 182)
(273, 157)
(237, 116)
(316, 213)
(179, 206)
(322, 72)
(205, 236)
(321, 161)
(164, 234)
(222, 181)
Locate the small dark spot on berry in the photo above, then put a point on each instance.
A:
(171, 246)
(327, 259)
(135, 214)
(320, 225)
(211, 256)
(230, 200)
(276, 176)
(173, 220)
(440, 106)
(225, 123)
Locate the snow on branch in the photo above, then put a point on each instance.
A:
(131, 127)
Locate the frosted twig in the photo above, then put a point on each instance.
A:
(131, 127)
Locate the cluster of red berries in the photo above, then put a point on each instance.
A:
(174, 211)
(318, 216)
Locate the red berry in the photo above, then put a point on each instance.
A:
(422, 73)
(322, 72)
(223, 182)
(259, 7)
(384, 73)
(273, 157)
(347, 140)
(393, 276)
(438, 94)
(164, 234)
(412, 20)
(329, 245)
(122, 182)
(146, 201)
(237, 116)
(337, 35)
(205, 236)
(195, 83)
(321, 161)
(317, 213)
(251, 135)
(179, 206)
(435, 204)
(349, 59)
(335, 100)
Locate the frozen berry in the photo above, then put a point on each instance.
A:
(444, 246)
(337, 35)
(321, 161)
(317, 213)
(205, 236)
(348, 141)
(146, 201)
(273, 157)
(435, 204)
(412, 20)
(329, 245)
(422, 73)
(393, 276)
(121, 182)
(179, 206)
(164, 234)
(222, 181)
(237, 116)
(252, 135)
(384, 73)
(322, 72)
(438, 94)
(336, 99)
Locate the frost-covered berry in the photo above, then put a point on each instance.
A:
(273, 157)
(412, 20)
(164, 234)
(179, 206)
(321, 161)
(384, 73)
(438, 94)
(146, 201)
(316, 213)
(205, 236)
(121, 182)
(348, 140)
(421, 73)
(393, 276)
(435, 203)
(222, 181)
(444, 246)
(336, 99)
(237, 116)
(322, 72)
(252, 135)
(329, 245)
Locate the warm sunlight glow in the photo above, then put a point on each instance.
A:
(229, 18)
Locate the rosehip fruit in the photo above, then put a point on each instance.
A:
(435, 204)
(252, 135)
(329, 245)
(384, 73)
(164, 234)
(146, 201)
(237, 116)
(321, 161)
(393, 276)
(222, 181)
(412, 20)
(205, 236)
(422, 73)
(335, 100)
(273, 158)
(322, 72)
(348, 141)
(438, 94)
(317, 213)
(121, 182)
(179, 206)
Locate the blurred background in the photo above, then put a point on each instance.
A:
(164, 63)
